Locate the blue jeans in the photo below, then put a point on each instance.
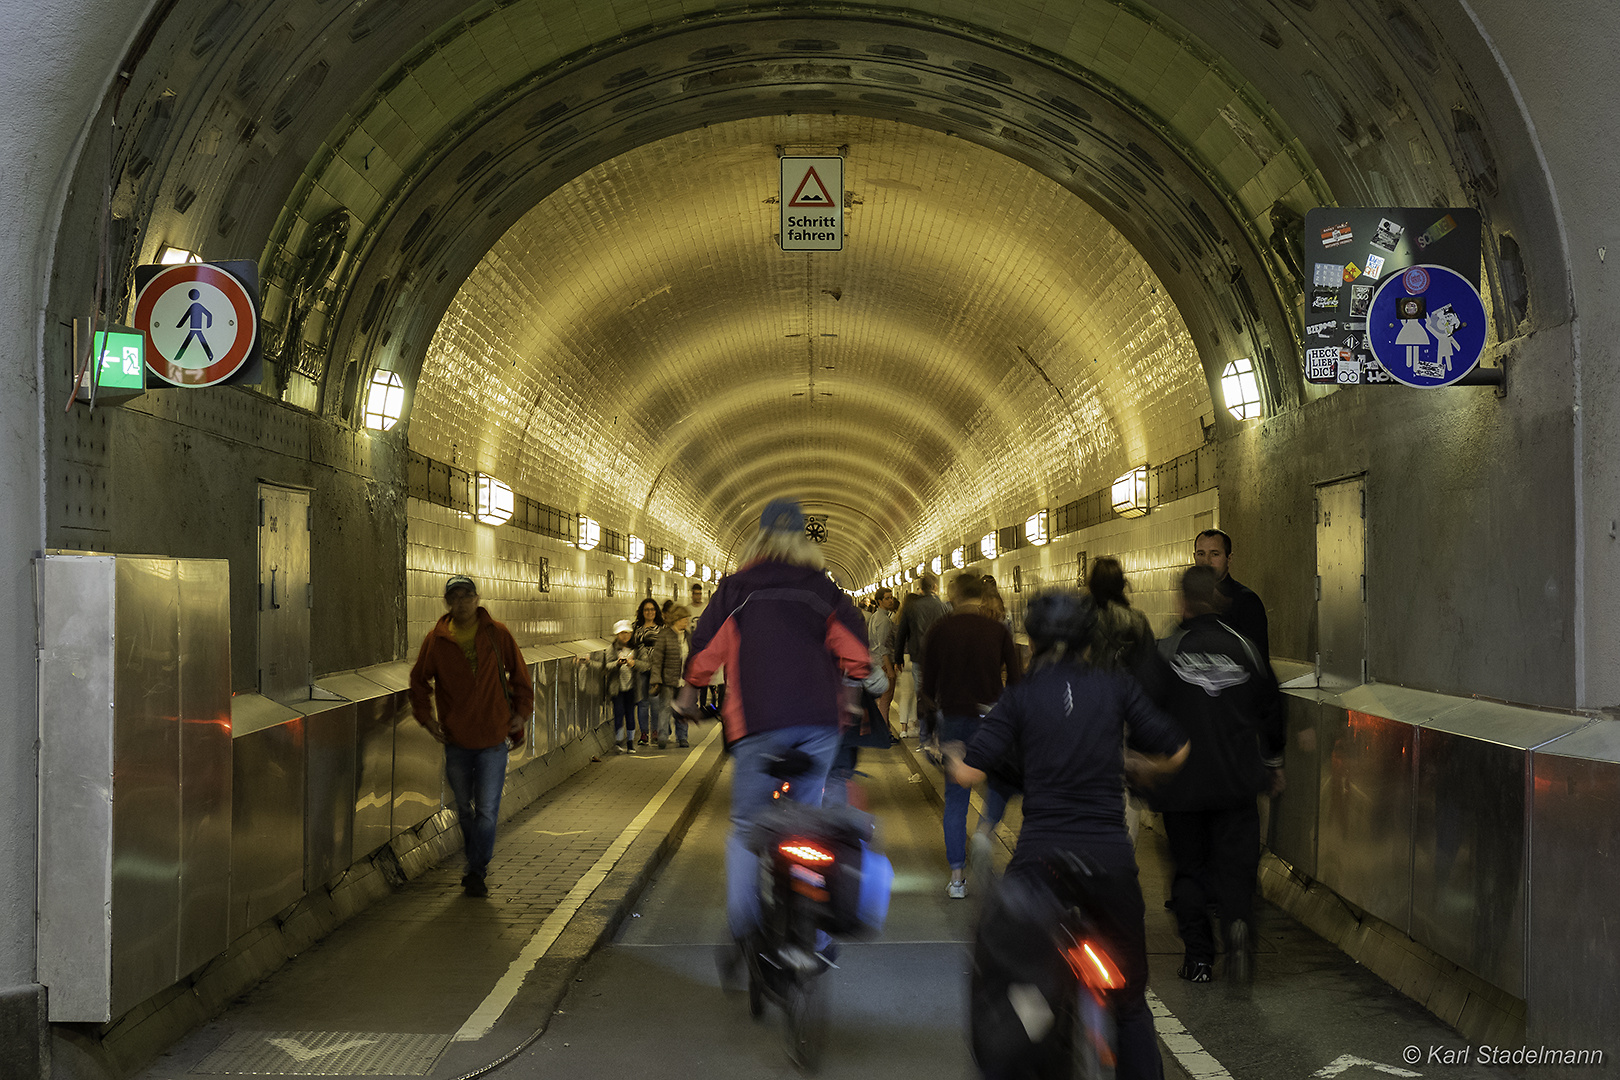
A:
(624, 715)
(664, 713)
(751, 788)
(476, 778)
(961, 729)
(646, 706)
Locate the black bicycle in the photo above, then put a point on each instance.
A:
(1043, 977)
(811, 868)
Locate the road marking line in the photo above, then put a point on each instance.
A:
(485, 1016)
(1199, 1063)
(1345, 1062)
(303, 1054)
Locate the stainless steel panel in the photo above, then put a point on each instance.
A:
(1341, 565)
(351, 686)
(1572, 976)
(205, 761)
(1399, 702)
(329, 789)
(75, 615)
(541, 728)
(567, 700)
(284, 671)
(418, 771)
(522, 754)
(374, 778)
(146, 782)
(394, 675)
(593, 704)
(267, 799)
(1292, 826)
(1469, 855)
(1364, 838)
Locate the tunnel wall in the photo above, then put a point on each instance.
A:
(1470, 526)
(505, 562)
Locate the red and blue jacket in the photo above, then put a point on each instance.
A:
(784, 634)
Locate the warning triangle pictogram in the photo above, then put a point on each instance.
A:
(816, 196)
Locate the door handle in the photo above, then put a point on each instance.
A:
(273, 604)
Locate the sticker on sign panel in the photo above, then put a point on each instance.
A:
(1335, 235)
(1321, 364)
(1324, 299)
(1388, 235)
(1328, 275)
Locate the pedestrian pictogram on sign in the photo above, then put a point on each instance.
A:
(812, 204)
(201, 324)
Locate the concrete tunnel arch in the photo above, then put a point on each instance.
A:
(1186, 133)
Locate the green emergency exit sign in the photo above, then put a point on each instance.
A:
(123, 360)
(117, 364)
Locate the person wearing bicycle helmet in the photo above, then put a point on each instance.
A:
(1060, 735)
(786, 635)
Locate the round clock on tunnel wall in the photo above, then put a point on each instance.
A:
(816, 529)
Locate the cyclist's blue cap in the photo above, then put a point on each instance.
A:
(782, 515)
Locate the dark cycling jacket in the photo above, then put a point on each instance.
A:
(783, 633)
(1221, 690)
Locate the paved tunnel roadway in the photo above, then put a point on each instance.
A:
(648, 1004)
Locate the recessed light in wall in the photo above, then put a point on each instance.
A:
(935, 565)
(638, 548)
(691, 568)
(958, 559)
(706, 573)
(668, 562)
(987, 545)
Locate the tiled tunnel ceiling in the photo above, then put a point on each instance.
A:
(639, 345)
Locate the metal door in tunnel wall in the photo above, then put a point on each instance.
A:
(284, 593)
(1341, 583)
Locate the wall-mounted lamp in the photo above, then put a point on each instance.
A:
(1130, 493)
(1241, 390)
(707, 573)
(958, 560)
(169, 255)
(908, 574)
(494, 505)
(919, 569)
(1035, 528)
(936, 565)
(638, 548)
(590, 533)
(691, 568)
(987, 545)
(668, 562)
(385, 401)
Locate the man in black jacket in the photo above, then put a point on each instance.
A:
(1244, 613)
(1222, 692)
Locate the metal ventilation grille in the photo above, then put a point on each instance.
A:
(323, 1053)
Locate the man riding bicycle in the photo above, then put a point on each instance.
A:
(1060, 735)
(786, 636)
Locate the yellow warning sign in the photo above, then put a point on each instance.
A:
(812, 204)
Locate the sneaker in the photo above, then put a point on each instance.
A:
(1239, 964)
(956, 890)
(473, 885)
(1197, 971)
(683, 744)
(643, 739)
(629, 746)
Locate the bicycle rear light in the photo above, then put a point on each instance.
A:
(804, 851)
(1094, 967)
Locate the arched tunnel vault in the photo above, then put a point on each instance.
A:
(985, 342)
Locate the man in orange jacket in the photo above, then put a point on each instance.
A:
(481, 687)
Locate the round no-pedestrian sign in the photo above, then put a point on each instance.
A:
(1426, 326)
(200, 324)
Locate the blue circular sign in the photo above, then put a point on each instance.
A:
(1426, 326)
